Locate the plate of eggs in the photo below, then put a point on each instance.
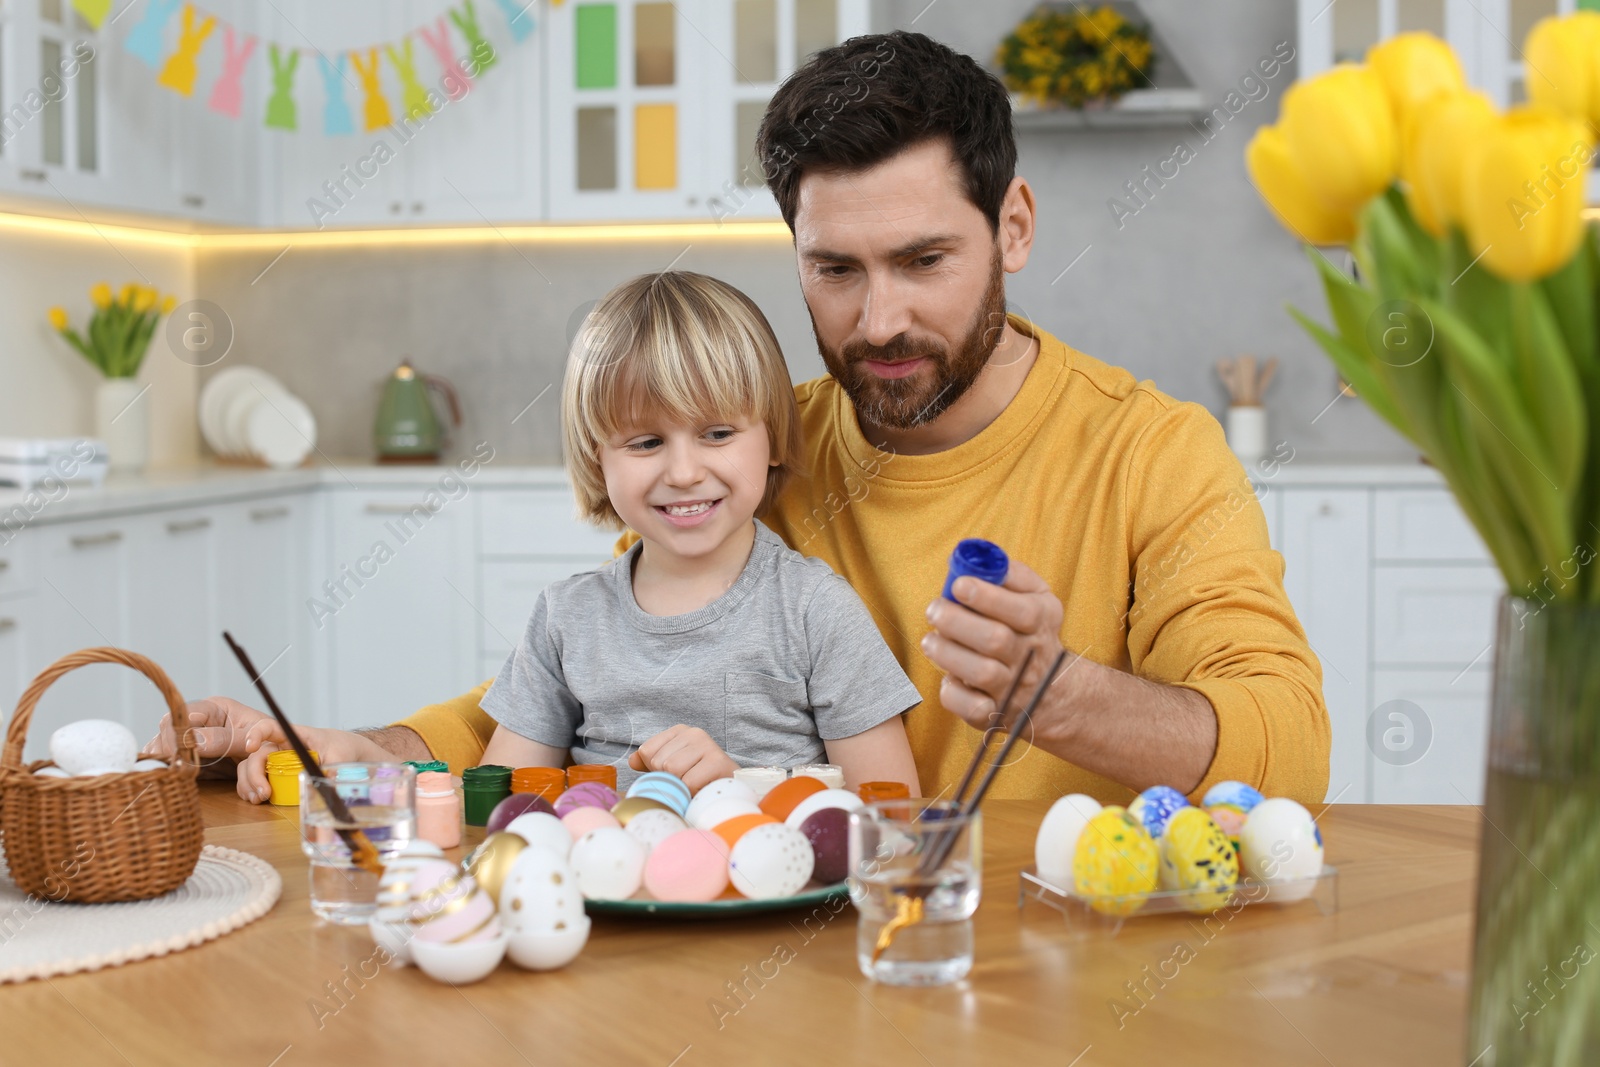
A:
(724, 851)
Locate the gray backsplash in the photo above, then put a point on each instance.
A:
(1199, 273)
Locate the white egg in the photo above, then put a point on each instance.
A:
(547, 951)
(772, 860)
(720, 811)
(650, 828)
(1053, 849)
(94, 744)
(542, 829)
(720, 789)
(460, 963)
(608, 863)
(52, 772)
(150, 765)
(1280, 842)
(828, 798)
(540, 893)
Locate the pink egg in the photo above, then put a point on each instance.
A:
(691, 866)
(580, 821)
(514, 805)
(446, 904)
(586, 795)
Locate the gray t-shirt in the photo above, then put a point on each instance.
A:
(788, 657)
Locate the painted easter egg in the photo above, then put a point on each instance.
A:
(669, 789)
(691, 866)
(540, 894)
(650, 828)
(719, 789)
(1197, 856)
(1155, 806)
(445, 904)
(586, 795)
(1231, 820)
(1057, 841)
(543, 830)
(608, 863)
(772, 860)
(828, 830)
(1115, 858)
(1230, 794)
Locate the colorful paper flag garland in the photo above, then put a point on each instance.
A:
(178, 69)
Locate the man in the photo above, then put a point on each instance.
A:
(1136, 541)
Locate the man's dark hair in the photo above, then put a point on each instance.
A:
(852, 107)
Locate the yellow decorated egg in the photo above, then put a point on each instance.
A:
(1115, 857)
(1197, 855)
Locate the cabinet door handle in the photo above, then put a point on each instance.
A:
(1325, 509)
(30, 175)
(110, 537)
(397, 509)
(194, 200)
(7, 625)
(416, 207)
(188, 525)
(4, 563)
(267, 514)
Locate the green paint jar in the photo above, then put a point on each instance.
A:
(482, 788)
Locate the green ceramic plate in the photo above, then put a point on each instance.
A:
(724, 907)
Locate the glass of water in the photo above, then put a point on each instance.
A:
(382, 798)
(894, 880)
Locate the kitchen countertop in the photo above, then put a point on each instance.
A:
(208, 483)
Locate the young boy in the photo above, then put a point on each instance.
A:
(709, 644)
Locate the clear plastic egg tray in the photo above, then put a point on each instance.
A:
(1084, 917)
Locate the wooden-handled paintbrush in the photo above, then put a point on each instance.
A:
(362, 851)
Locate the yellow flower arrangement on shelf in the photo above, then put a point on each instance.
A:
(1075, 56)
(120, 327)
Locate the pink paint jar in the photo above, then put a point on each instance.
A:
(438, 809)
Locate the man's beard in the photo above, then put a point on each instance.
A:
(918, 399)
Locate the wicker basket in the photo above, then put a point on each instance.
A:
(109, 837)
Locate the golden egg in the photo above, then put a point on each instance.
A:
(627, 809)
(491, 861)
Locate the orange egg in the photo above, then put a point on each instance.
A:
(730, 830)
(782, 798)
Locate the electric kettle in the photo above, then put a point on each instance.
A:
(408, 429)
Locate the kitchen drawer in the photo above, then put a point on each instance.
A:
(18, 573)
(537, 522)
(1420, 525)
(1431, 736)
(509, 589)
(1433, 616)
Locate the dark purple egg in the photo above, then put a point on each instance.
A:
(514, 805)
(828, 831)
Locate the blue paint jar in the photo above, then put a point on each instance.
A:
(976, 558)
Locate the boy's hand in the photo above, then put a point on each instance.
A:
(686, 751)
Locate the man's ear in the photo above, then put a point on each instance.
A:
(1017, 220)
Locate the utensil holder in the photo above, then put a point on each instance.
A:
(125, 836)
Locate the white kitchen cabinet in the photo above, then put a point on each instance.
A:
(16, 632)
(1424, 525)
(1438, 725)
(52, 104)
(172, 599)
(18, 573)
(215, 172)
(652, 106)
(262, 586)
(1434, 616)
(1327, 557)
(397, 627)
(85, 569)
(510, 588)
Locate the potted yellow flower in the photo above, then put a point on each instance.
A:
(1075, 57)
(117, 338)
(1472, 328)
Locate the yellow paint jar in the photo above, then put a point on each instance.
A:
(283, 777)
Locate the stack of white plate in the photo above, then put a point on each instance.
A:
(246, 414)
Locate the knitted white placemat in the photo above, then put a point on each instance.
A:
(41, 938)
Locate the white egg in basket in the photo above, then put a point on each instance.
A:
(1280, 842)
(98, 746)
(771, 860)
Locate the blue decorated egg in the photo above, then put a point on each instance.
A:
(1155, 806)
(663, 788)
(1235, 795)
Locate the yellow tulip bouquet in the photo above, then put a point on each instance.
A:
(1074, 57)
(120, 327)
(1471, 326)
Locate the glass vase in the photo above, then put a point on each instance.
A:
(1536, 957)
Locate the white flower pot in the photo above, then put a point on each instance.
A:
(122, 421)
(1247, 433)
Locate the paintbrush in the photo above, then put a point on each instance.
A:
(362, 852)
(909, 906)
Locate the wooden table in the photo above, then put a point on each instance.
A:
(1382, 982)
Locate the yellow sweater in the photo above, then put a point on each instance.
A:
(1131, 507)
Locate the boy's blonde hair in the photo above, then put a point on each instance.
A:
(680, 344)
